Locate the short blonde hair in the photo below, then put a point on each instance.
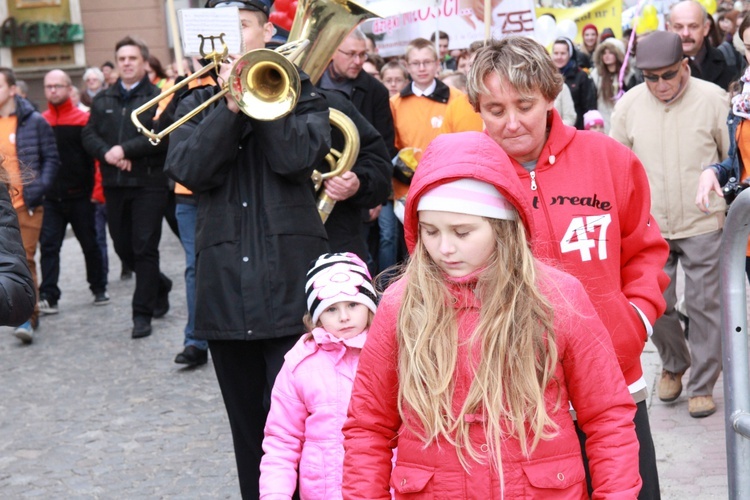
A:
(419, 44)
(520, 61)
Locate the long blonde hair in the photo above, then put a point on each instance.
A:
(516, 343)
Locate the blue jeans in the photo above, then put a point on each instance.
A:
(388, 251)
(79, 213)
(186, 214)
(100, 222)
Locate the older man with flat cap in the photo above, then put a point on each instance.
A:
(676, 125)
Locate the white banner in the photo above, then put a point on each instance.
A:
(461, 19)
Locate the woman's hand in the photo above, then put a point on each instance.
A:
(707, 183)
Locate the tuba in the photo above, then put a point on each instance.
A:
(265, 83)
(325, 24)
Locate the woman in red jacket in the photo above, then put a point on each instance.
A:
(477, 352)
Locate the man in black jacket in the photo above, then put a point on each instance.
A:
(135, 186)
(69, 199)
(689, 19)
(257, 231)
(367, 186)
(370, 97)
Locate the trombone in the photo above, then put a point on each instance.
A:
(263, 82)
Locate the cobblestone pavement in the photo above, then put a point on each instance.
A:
(88, 412)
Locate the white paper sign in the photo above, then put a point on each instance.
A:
(210, 22)
(458, 18)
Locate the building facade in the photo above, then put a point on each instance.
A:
(40, 35)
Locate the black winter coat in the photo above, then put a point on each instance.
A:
(373, 169)
(714, 68)
(37, 152)
(258, 228)
(75, 179)
(371, 98)
(110, 125)
(583, 91)
(17, 295)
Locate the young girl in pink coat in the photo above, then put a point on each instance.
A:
(311, 393)
(477, 352)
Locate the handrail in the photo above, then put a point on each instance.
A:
(734, 344)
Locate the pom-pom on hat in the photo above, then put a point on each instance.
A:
(591, 118)
(468, 196)
(338, 277)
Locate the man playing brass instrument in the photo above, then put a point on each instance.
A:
(257, 231)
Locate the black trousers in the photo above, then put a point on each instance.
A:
(134, 215)
(646, 455)
(246, 372)
(79, 213)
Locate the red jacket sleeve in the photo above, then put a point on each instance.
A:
(643, 249)
(597, 390)
(373, 420)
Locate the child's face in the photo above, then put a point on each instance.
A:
(345, 320)
(458, 243)
(597, 128)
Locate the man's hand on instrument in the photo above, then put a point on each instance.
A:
(226, 70)
(114, 155)
(342, 187)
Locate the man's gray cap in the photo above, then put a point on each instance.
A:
(660, 49)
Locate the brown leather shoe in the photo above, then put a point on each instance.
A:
(670, 385)
(701, 406)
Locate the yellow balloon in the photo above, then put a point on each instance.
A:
(709, 5)
(648, 20)
(650, 11)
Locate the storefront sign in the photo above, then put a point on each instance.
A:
(28, 34)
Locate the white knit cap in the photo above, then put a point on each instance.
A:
(468, 196)
(338, 277)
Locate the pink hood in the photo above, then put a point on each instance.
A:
(473, 155)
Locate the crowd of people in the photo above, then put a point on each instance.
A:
(523, 212)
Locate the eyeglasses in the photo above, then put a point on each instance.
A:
(426, 64)
(55, 87)
(362, 56)
(664, 76)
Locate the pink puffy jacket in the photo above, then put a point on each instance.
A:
(308, 409)
(587, 374)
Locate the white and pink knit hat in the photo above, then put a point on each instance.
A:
(468, 196)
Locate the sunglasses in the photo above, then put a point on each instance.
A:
(669, 75)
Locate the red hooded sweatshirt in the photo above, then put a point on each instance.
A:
(591, 205)
(587, 375)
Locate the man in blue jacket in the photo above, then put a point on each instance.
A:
(27, 145)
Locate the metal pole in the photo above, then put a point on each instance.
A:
(487, 20)
(176, 41)
(735, 346)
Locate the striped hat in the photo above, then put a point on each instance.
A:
(468, 196)
(338, 277)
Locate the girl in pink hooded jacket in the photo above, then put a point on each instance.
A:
(477, 352)
(311, 393)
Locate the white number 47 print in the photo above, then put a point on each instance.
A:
(576, 238)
